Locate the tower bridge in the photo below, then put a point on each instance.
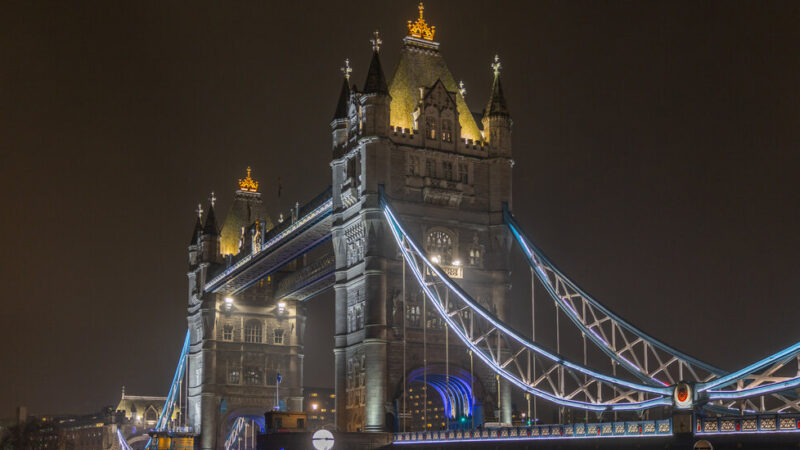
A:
(413, 236)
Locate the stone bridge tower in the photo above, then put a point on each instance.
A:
(447, 174)
(239, 341)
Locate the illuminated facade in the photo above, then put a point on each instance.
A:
(448, 175)
(239, 342)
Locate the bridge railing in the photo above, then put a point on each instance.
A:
(645, 428)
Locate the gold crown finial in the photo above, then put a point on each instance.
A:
(420, 28)
(248, 184)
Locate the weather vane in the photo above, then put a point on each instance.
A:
(199, 211)
(496, 66)
(461, 89)
(376, 41)
(212, 199)
(346, 70)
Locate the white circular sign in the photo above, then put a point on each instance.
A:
(703, 445)
(322, 440)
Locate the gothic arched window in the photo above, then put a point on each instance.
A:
(252, 331)
(439, 245)
(430, 127)
(447, 130)
(151, 415)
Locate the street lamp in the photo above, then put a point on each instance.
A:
(228, 303)
(281, 307)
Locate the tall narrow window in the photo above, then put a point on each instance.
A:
(233, 376)
(447, 130)
(279, 336)
(430, 127)
(227, 332)
(447, 170)
(463, 172)
(252, 375)
(430, 168)
(252, 331)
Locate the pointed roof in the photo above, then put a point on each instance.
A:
(497, 102)
(344, 97)
(376, 81)
(421, 65)
(198, 228)
(210, 227)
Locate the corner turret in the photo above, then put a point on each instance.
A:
(209, 240)
(496, 118)
(375, 99)
(339, 122)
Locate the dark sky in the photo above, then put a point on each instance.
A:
(656, 148)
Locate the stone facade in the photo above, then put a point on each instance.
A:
(238, 344)
(447, 178)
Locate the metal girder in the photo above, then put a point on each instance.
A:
(651, 360)
(174, 390)
(506, 352)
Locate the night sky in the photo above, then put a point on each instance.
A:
(656, 148)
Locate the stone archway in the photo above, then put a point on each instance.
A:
(453, 399)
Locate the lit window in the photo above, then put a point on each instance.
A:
(252, 331)
(252, 376)
(430, 127)
(233, 376)
(440, 244)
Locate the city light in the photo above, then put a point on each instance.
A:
(228, 303)
(281, 307)
(314, 406)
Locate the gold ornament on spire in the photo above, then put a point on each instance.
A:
(248, 184)
(420, 28)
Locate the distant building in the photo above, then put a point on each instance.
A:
(320, 406)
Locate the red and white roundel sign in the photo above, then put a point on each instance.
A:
(683, 396)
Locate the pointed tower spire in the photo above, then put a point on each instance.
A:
(198, 226)
(210, 227)
(376, 81)
(344, 95)
(497, 102)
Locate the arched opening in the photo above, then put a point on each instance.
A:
(450, 402)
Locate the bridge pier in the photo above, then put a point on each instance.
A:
(375, 414)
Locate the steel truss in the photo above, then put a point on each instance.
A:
(654, 362)
(507, 353)
(235, 433)
(174, 390)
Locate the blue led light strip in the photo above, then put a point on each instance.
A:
(172, 396)
(533, 254)
(789, 352)
(401, 236)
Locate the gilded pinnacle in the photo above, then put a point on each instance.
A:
(420, 28)
(248, 184)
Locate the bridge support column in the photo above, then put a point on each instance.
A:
(375, 414)
(505, 398)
